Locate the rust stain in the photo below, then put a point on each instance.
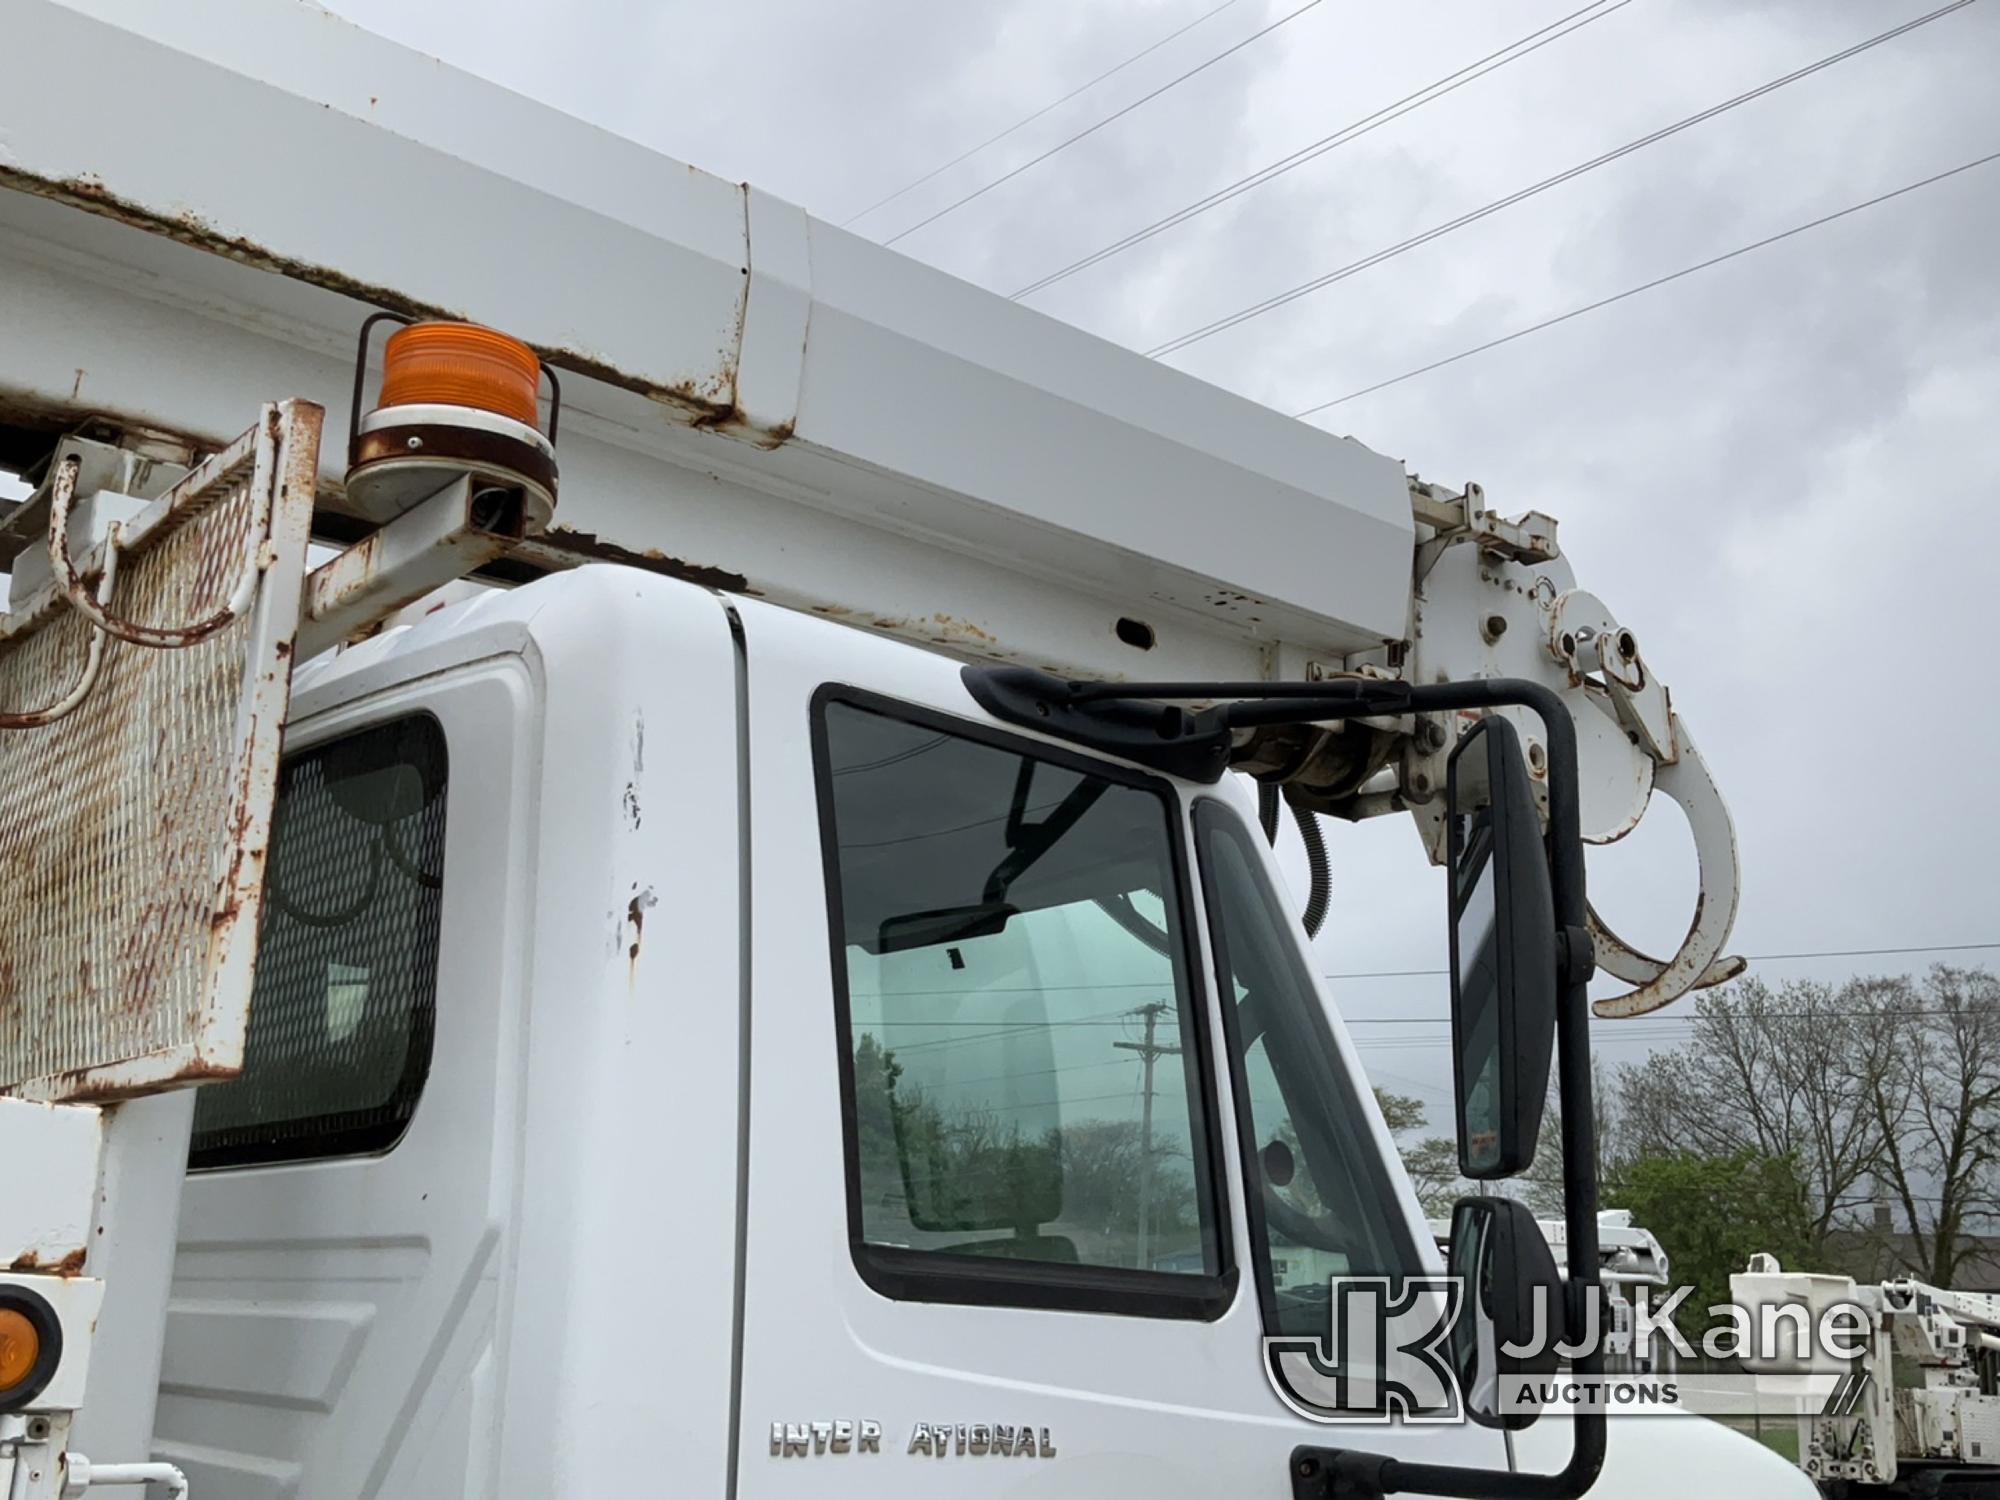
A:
(635, 913)
(589, 545)
(710, 402)
(89, 1085)
(31, 1263)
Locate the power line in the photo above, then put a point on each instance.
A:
(996, 1030)
(1667, 1030)
(1281, 299)
(1659, 281)
(1493, 61)
(1663, 1024)
(1063, 145)
(1755, 958)
(1082, 88)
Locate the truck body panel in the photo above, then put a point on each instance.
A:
(529, 1291)
(820, 1343)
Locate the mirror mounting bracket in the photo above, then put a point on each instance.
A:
(1150, 723)
(1576, 954)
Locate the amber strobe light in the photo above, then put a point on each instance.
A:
(20, 1347)
(457, 402)
(461, 364)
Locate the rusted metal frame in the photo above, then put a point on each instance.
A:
(439, 541)
(93, 661)
(186, 500)
(72, 580)
(69, 580)
(288, 435)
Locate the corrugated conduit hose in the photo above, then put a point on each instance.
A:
(1319, 895)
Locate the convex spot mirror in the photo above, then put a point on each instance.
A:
(1510, 1314)
(1504, 973)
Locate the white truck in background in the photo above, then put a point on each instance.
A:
(678, 1019)
(1939, 1436)
(1629, 1258)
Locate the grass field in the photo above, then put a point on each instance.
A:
(1778, 1434)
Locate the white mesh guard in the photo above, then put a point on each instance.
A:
(134, 829)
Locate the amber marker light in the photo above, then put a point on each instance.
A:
(31, 1344)
(20, 1348)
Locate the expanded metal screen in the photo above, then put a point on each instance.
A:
(134, 827)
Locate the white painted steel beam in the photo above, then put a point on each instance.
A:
(759, 398)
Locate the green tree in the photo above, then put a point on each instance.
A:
(1401, 1112)
(1431, 1161)
(1711, 1213)
(1433, 1167)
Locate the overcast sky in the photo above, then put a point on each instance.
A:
(1781, 472)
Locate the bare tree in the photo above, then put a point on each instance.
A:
(1936, 1109)
(1541, 1186)
(1794, 1071)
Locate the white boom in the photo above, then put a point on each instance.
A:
(760, 401)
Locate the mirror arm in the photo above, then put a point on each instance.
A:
(1579, 1131)
(1318, 1473)
(1144, 722)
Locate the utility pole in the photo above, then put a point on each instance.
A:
(1149, 1052)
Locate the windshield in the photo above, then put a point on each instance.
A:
(1319, 1195)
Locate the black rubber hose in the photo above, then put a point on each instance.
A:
(1267, 810)
(1320, 897)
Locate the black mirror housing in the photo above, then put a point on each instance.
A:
(1513, 1296)
(1505, 975)
(945, 924)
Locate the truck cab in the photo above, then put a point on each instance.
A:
(656, 1023)
(639, 1093)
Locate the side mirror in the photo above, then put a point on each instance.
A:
(1504, 973)
(1513, 1298)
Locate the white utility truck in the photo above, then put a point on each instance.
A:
(781, 988)
(1873, 1436)
(1629, 1259)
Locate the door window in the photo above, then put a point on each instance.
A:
(1319, 1195)
(1021, 1041)
(339, 1038)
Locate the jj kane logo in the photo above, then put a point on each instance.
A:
(1415, 1349)
(1384, 1355)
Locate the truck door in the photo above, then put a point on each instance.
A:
(1006, 1096)
(335, 1291)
